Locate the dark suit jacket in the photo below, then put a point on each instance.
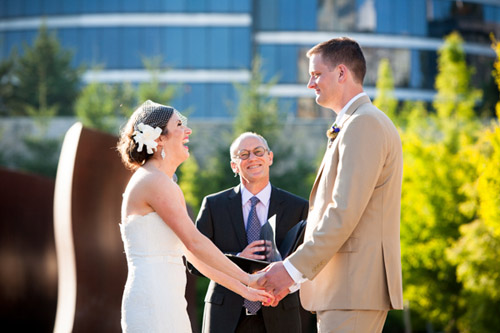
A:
(221, 220)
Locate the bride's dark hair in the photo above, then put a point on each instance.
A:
(149, 113)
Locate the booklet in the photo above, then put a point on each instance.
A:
(292, 240)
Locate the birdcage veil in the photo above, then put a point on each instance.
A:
(156, 115)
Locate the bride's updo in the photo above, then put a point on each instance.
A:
(151, 114)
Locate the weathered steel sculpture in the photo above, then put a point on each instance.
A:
(91, 264)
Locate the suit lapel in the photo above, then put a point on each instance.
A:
(274, 204)
(236, 214)
(348, 114)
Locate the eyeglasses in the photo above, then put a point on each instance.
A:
(245, 154)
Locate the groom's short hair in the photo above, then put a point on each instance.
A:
(342, 50)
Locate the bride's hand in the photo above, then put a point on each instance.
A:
(258, 295)
(253, 278)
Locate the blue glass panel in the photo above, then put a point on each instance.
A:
(172, 47)
(14, 8)
(131, 48)
(268, 57)
(196, 6)
(287, 63)
(70, 7)
(491, 14)
(33, 8)
(384, 11)
(400, 13)
(196, 41)
(240, 45)
(307, 20)
(90, 6)
(175, 6)
(417, 18)
(221, 98)
(150, 42)
(242, 6)
(219, 6)
(3, 9)
(287, 15)
(51, 7)
(133, 6)
(219, 48)
(110, 46)
(90, 46)
(152, 5)
(70, 41)
(196, 97)
(441, 9)
(111, 6)
(12, 39)
(415, 70)
(267, 15)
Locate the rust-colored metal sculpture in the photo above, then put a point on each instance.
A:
(28, 269)
(91, 263)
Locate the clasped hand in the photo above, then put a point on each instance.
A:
(275, 280)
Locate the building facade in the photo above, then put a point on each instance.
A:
(206, 46)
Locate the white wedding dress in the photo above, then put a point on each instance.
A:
(153, 300)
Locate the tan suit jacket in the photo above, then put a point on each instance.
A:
(351, 251)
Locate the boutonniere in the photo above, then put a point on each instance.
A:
(332, 133)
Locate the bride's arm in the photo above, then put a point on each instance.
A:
(166, 198)
(230, 283)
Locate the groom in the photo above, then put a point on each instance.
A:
(349, 266)
(227, 218)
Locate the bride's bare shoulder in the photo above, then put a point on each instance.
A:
(149, 179)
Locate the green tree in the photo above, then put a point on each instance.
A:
(455, 96)
(477, 252)
(257, 111)
(46, 82)
(154, 89)
(8, 100)
(437, 167)
(97, 106)
(385, 99)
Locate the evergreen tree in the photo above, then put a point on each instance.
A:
(8, 100)
(45, 82)
(97, 106)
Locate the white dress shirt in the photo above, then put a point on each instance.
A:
(297, 276)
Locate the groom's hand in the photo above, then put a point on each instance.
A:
(276, 280)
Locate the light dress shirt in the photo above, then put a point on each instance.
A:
(297, 276)
(262, 206)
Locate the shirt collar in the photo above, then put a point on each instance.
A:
(264, 195)
(338, 120)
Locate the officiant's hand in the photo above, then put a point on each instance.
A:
(254, 249)
(276, 280)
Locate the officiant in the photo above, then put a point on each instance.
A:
(233, 219)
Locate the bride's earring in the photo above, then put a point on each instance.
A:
(162, 154)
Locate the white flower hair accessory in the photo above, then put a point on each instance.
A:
(146, 135)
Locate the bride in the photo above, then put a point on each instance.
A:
(157, 231)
